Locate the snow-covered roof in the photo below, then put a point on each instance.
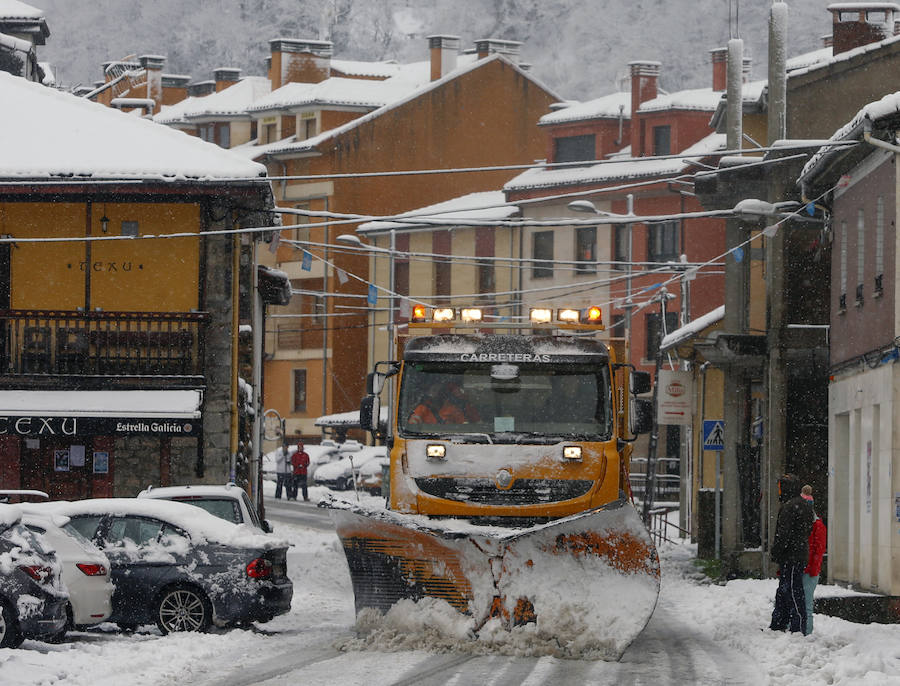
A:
(13, 43)
(691, 329)
(826, 58)
(887, 106)
(702, 99)
(347, 418)
(231, 101)
(175, 114)
(13, 9)
(613, 105)
(385, 69)
(50, 134)
(619, 168)
(484, 206)
(418, 73)
(335, 91)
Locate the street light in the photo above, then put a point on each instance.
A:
(589, 207)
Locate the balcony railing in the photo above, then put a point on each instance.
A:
(41, 342)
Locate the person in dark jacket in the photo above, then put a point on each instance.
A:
(790, 549)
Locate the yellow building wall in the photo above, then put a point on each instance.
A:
(127, 275)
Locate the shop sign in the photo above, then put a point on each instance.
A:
(96, 426)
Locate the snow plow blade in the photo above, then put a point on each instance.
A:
(594, 575)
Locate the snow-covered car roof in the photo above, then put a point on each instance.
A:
(199, 524)
(360, 457)
(192, 489)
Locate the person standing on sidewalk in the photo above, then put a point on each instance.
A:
(283, 473)
(817, 542)
(299, 465)
(790, 549)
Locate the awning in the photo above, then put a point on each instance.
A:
(149, 404)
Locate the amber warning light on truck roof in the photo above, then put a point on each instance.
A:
(563, 317)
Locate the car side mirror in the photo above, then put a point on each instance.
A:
(266, 526)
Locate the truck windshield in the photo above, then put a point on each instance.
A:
(530, 401)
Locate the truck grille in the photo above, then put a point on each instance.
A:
(522, 491)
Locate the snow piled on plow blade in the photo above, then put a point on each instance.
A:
(581, 587)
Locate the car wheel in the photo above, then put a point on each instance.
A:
(9, 628)
(183, 608)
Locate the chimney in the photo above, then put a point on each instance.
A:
(855, 24)
(827, 41)
(719, 58)
(507, 48)
(644, 82)
(175, 88)
(226, 76)
(269, 68)
(299, 61)
(444, 50)
(200, 88)
(153, 66)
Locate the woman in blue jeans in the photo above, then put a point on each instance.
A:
(817, 541)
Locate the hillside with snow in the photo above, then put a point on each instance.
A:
(579, 48)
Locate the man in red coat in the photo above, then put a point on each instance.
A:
(816, 551)
(299, 466)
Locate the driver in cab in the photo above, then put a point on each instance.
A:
(444, 404)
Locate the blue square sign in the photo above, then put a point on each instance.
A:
(713, 434)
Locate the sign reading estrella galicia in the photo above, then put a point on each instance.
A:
(97, 426)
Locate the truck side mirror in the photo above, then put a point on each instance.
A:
(374, 383)
(640, 382)
(641, 416)
(369, 411)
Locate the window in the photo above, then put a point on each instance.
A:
(442, 276)
(617, 326)
(860, 253)
(299, 390)
(662, 241)
(879, 245)
(486, 283)
(662, 140)
(653, 332)
(620, 249)
(542, 251)
(223, 135)
(843, 294)
(130, 229)
(575, 149)
(300, 220)
(269, 133)
(585, 249)
(309, 128)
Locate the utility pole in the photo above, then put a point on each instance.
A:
(650, 481)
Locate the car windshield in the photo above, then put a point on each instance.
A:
(517, 403)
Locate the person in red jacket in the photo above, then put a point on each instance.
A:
(299, 466)
(814, 566)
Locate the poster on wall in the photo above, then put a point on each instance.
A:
(61, 460)
(101, 462)
(76, 456)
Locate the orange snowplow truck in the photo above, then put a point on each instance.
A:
(514, 442)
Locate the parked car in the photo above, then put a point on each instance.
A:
(84, 569)
(181, 567)
(230, 502)
(340, 474)
(371, 474)
(32, 597)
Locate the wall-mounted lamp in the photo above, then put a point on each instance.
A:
(104, 221)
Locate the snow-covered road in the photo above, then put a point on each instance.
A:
(699, 634)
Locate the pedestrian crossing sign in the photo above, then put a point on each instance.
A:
(713, 434)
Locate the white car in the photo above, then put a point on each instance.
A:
(85, 568)
(340, 474)
(229, 502)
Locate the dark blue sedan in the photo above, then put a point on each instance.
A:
(181, 568)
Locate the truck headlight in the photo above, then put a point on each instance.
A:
(435, 451)
(572, 452)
